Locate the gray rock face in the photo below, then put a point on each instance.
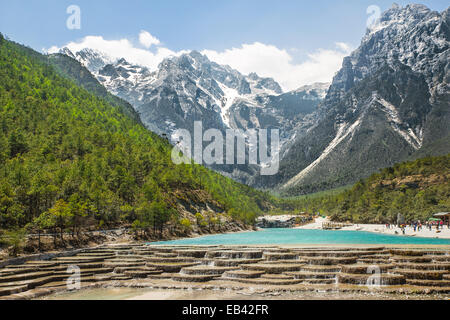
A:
(382, 106)
(414, 36)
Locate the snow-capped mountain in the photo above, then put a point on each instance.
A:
(390, 102)
(190, 88)
(415, 36)
(198, 83)
(93, 60)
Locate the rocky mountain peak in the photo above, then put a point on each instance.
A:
(388, 103)
(198, 57)
(92, 59)
(122, 61)
(317, 89)
(413, 35)
(66, 51)
(253, 76)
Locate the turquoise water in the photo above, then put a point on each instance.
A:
(300, 236)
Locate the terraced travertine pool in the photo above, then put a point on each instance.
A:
(230, 269)
(302, 236)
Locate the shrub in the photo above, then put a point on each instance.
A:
(14, 240)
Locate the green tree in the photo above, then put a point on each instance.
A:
(14, 240)
(62, 214)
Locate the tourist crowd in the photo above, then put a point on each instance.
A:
(418, 226)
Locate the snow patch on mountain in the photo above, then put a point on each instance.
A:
(315, 91)
(230, 95)
(343, 131)
(396, 123)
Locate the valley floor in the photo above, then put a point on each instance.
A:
(443, 233)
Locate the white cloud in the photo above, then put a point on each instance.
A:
(147, 40)
(52, 49)
(270, 61)
(344, 46)
(123, 48)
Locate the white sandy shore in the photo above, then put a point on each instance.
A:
(380, 228)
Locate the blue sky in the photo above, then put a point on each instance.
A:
(300, 28)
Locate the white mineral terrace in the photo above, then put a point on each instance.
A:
(420, 270)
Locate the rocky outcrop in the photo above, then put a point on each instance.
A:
(283, 221)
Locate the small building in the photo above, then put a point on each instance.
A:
(444, 216)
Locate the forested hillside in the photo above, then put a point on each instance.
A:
(416, 189)
(73, 70)
(69, 158)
